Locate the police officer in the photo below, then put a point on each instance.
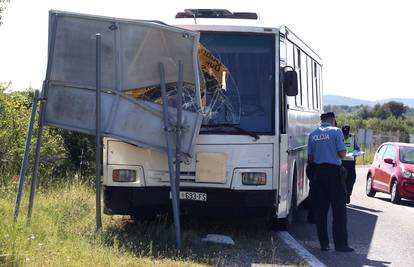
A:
(326, 147)
(310, 173)
(349, 161)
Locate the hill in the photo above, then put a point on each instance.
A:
(349, 101)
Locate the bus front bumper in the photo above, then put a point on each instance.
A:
(130, 200)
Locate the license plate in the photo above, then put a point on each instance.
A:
(196, 196)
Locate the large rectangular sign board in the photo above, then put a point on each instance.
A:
(132, 51)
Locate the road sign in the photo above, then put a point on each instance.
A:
(131, 53)
(365, 136)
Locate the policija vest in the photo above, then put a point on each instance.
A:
(350, 147)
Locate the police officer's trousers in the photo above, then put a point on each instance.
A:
(351, 177)
(329, 190)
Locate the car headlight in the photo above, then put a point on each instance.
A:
(406, 174)
(254, 178)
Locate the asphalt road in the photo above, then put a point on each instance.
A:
(382, 233)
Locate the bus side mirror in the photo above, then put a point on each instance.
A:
(290, 82)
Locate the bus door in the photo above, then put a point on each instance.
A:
(284, 185)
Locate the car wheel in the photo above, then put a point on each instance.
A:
(369, 190)
(395, 195)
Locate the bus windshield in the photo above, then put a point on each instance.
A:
(238, 71)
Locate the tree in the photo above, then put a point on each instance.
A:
(364, 112)
(2, 8)
(397, 109)
(15, 109)
(381, 111)
(390, 118)
(81, 151)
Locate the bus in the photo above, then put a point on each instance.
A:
(262, 98)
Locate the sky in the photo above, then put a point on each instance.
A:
(366, 46)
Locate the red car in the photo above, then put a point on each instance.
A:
(392, 171)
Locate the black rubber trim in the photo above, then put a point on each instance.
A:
(127, 200)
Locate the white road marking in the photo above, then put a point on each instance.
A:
(300, 250)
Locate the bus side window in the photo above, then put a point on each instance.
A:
(299, 97)
(320, 83)
(310, 84)
(316, 81)
(312, 90)
(282, 51)
(304, 81)
(290, 61)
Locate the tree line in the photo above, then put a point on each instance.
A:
(2, 8)
(63, 153)
(391, 117)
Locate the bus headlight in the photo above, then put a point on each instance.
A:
(124, 175)
(254, 178)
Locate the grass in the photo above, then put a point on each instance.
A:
(62, 233)
(367, 158)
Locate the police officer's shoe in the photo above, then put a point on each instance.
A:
(344, 249)
(325, 248)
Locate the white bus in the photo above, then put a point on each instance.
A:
(251, 152)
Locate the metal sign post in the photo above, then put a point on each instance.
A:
(365, 145)
(365, 137)
(98, 132)
(173, 182)
(42, 111)
(26, 155)
(178, 130)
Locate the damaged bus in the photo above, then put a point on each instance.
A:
(261, 97)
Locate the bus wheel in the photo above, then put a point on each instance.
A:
(284, 224)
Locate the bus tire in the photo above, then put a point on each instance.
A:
(283, 224)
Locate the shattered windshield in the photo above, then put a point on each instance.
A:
(237, 84)
(238, 70)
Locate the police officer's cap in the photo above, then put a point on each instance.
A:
(346, 128)
(327, 115)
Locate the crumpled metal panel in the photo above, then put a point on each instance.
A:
(134, 121)
(131, 53)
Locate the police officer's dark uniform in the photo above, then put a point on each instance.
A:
(310, 173)
(349, 161)
(325, 146)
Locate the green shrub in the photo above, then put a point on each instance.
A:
(61, 150)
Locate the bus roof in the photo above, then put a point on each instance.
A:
(224, 20)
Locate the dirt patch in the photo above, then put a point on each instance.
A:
(255, 242)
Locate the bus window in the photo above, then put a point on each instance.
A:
(304, 81)
(299, 98)
(282, 51)
(316, 83)
(290, 61)
(310, 83)
(320, 89)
